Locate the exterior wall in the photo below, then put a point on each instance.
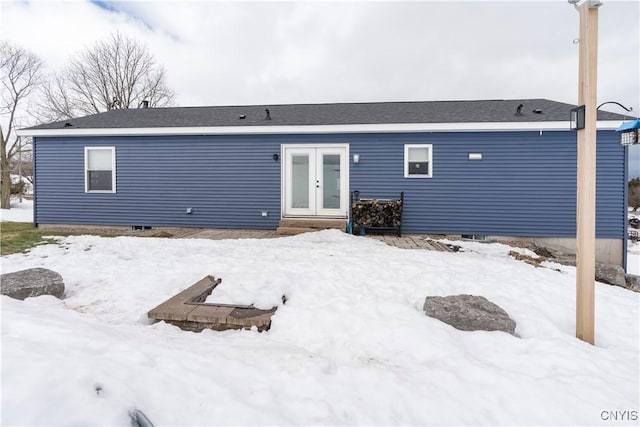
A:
(227, 182)
(524, 186)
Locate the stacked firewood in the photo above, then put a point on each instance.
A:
(377, 213)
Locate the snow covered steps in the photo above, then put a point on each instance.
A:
(188, 311)
(289, 227)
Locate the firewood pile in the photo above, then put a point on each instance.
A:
(374, 213)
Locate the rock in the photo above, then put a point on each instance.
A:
(32, 282)
(633, 282)
(469, 313)
(565, 259)
(611, 274)
(543, 252)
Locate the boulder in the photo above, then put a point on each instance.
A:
(633, 282)
(32, 282)
(469, 313)
(611, 274)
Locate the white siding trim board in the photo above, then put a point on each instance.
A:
(315, 129)
(428, 160)
(87, 185)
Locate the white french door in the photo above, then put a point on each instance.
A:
(315, 180)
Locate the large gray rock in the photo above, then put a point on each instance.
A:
(32, 282)
(633, 282)
(611, 274)
(469, 313)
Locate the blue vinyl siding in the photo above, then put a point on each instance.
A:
(226, 181)
(524, 186)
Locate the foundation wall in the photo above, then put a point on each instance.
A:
(608, 251)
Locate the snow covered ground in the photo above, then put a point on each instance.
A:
(633, 258)
(350, 347)
(633, 252)
(19, 212)
(28, 187)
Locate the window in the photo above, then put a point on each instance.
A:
(100, 169)
(476, 237)
(418, 161)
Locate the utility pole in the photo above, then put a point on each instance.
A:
(586, 173)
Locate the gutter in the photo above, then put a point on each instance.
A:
(314, 129)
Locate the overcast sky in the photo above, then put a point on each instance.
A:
(226, 53)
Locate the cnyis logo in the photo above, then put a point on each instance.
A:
(619, 415)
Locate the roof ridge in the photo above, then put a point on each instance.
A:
(277, 104)
(334, 113)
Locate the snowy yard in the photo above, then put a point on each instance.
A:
(19, 212)
(350, 347)
(633, 252)
(633, 257)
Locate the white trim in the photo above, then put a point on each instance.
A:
(429, 173)
(314, 211)
(113, 169)
(289, 129)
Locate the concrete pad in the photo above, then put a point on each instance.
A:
(171, 310)
(262, 322)
(317, 223)
(175, 308)
(188, 311)
(209, 314)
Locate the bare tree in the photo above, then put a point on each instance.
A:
(118, 72)
(20, 73)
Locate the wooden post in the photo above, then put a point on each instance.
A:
(586, 176)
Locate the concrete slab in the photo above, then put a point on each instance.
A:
(188, 311)
(262, 322)
(209, 314)
(170, 310)
(175, 308)
(317, 223)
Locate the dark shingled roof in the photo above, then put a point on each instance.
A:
(330, 114)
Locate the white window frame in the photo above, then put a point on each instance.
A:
(429, 173)
(113, 169)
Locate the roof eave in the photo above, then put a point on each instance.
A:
(303, 129)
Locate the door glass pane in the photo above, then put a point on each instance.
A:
(300, 181)
(331, 181)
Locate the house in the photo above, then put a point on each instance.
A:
(489, 168)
